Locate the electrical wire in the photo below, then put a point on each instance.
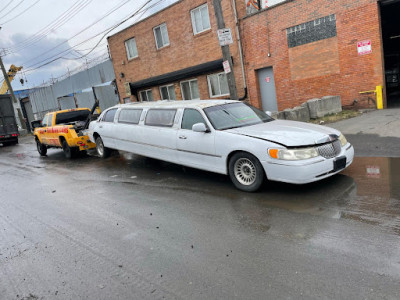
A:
(25, 10)
(68, 50)
(114, 28)
(12, 9)
(86, 28)
(58, 22)
(5, 6)
(142, 10)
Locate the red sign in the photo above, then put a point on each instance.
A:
(267, 79)
(227, 67)
(364, 47)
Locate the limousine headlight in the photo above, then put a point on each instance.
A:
(342, 140)
(293, 154)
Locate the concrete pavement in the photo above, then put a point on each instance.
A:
(374, 133)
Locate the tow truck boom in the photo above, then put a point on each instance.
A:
(11, 74)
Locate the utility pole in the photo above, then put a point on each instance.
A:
(226, 52)
(20, 116)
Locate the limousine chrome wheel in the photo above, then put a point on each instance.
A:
(246, 172)
(102, 151)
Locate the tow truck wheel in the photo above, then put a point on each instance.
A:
(70, 152)
(102, 151)
(42, 149)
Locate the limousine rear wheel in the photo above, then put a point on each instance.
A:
(246, 172)
(102, 151)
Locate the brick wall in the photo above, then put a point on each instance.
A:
(185, 49)
(300, 74)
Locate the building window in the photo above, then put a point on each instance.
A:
(200, 19)
(167, 92)
(218, 85)
(146, 95)
(131, 50)
(315, 30)
(190, 89)
(161, 36)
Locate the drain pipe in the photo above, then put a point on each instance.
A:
(240, 50)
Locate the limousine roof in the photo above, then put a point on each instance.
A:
(177, 104)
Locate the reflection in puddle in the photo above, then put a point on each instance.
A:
(378, 192)
(368, 191)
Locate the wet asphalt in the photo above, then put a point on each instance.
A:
(129, 227)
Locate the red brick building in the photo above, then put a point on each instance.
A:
(293, 50)
(175, 54)
(314, 49)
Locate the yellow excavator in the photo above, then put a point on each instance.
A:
(11, 74)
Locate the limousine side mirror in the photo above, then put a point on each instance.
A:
(199, 127)
(268, 113)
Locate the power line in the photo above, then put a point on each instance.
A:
(25, 10)
(12, 8)
(141, 11)
(57, 23)
(62, 43)
(5, 6)
(105, 33)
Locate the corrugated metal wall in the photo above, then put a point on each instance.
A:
(45, 99)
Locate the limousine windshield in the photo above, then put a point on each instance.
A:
(234, 115)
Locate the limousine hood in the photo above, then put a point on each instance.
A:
(288, 133)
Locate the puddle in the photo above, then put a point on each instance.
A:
(368, 192)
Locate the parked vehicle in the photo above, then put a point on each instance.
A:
(63, 129)
(224, 136)
(8, 124)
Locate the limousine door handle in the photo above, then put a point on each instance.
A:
(100, 126)
(182, 137)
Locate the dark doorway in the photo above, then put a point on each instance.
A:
(390, 12)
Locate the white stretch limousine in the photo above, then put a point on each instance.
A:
(224, 136)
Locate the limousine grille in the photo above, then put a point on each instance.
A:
(330, 150)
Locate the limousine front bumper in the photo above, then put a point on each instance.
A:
(300, 172)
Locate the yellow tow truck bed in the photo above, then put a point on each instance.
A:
(63, 129)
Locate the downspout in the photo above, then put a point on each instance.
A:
(240, 51)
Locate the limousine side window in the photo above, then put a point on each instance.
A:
(160, 117)
(109, 116)
(191, 117)
(130, 116)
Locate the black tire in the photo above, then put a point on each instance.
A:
(70, 152)
(42, 149)
(246, 172)
(102, 151)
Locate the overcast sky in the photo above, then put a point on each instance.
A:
(34, 32)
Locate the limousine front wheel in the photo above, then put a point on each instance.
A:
(246, 172)
(102, 151)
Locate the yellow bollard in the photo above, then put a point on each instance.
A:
(379, 97)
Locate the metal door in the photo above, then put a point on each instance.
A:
(29, 111)
(267, 89)
(66, 102)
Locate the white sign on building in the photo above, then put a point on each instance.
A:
(364, 47)
(225, 36)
